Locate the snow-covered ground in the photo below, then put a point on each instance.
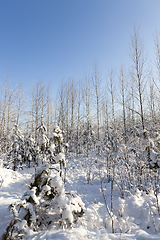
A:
(135, 216)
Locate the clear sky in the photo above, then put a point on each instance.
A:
(49, 40)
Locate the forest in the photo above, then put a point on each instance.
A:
(91, 134)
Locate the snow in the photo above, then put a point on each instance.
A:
(52, 147)
(60, 157)
(135, 216)
(21, 225)
(67, 214)
(57, 182)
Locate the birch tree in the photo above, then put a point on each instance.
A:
(38, 105)
(139, 60)
(111, 90)
(19, 103)
(98, 97)
(7, 108)
(123, 99)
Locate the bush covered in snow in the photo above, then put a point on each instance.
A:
(45, 204)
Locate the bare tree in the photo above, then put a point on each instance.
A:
(61, 106)
(111, 90)
(38, 103)
(139, 60)
(72, 91)
(98, 96)
(123, 100)
(73, 103)
(79, 101)
(19, 103)
(50, 111)
(87, 99)
(67, 113)
(111, 76)
(105, 109)
(157, 45)
(133, 102)
(7, 108)
(156, 83)
(151, 100)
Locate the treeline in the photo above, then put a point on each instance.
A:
(87, 110)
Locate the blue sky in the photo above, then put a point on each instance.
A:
(49, 40)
